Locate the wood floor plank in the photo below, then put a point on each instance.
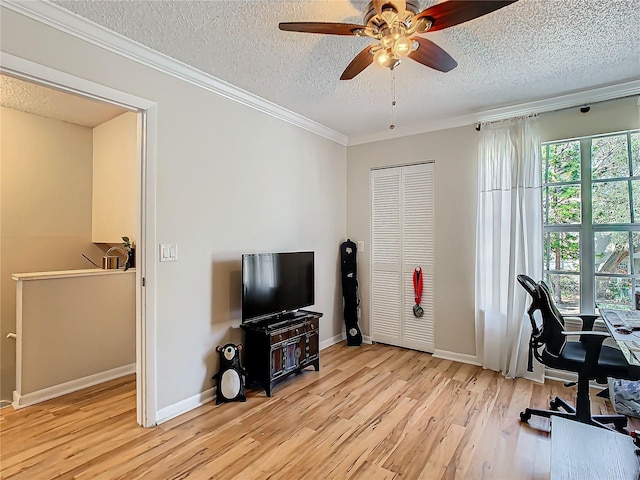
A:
(439, 460)
(369, 470)
(373, 411)
(333, 438)
(222, 463)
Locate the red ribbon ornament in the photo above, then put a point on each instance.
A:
(417, 288)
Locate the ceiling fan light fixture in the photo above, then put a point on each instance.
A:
(392, 63)
(386, 41)
(404, 46)
(389, 16)
(381, 57)
(386, 58)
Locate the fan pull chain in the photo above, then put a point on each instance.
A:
(393, 98)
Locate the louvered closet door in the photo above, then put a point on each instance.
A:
(386, 291)
(417, 250)
(402, 238)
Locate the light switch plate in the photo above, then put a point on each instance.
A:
(360, 246)
(168, 252)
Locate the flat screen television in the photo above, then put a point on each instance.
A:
(276, 283)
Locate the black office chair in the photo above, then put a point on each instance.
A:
(588, 357)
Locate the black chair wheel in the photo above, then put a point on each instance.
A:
(525, 416)
(553, 405)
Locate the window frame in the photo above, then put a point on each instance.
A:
(586, 229)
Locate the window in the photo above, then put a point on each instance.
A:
(591, 215)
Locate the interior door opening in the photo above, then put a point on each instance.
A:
(74, 89)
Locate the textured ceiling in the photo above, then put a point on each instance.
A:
(530, 50)
(47, 102)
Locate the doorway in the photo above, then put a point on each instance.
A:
(145, 111)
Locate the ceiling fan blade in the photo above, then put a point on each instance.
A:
(454, 12)
(431, 55)
(358, 64)
(321, 27)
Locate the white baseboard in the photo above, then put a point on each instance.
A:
(560, 375)
(456, 357)
(367, 339)
(183, 406)
(21, 401)
(333, 340)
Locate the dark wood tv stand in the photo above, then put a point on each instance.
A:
(276, 347)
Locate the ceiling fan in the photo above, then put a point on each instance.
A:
(396, 24)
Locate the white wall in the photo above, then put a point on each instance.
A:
(46, 209)
(230, 180)
(455, 155)
(75, 326)
(115, 195)
(606, 117)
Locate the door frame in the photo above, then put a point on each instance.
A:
(146, 403)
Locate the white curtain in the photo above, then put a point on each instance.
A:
(508, 242)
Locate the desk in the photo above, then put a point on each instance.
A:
(629, 343)
(582, 452)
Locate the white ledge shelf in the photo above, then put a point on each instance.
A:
(68, 274)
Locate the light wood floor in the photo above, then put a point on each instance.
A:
(372, 412)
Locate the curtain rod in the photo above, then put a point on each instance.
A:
(517, 117)
(584, 108)
(426, 162)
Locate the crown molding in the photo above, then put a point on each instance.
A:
(561, 102)
(594, 95)
(55, 16)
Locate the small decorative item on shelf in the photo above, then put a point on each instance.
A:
(111, 262)
(131, 253)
